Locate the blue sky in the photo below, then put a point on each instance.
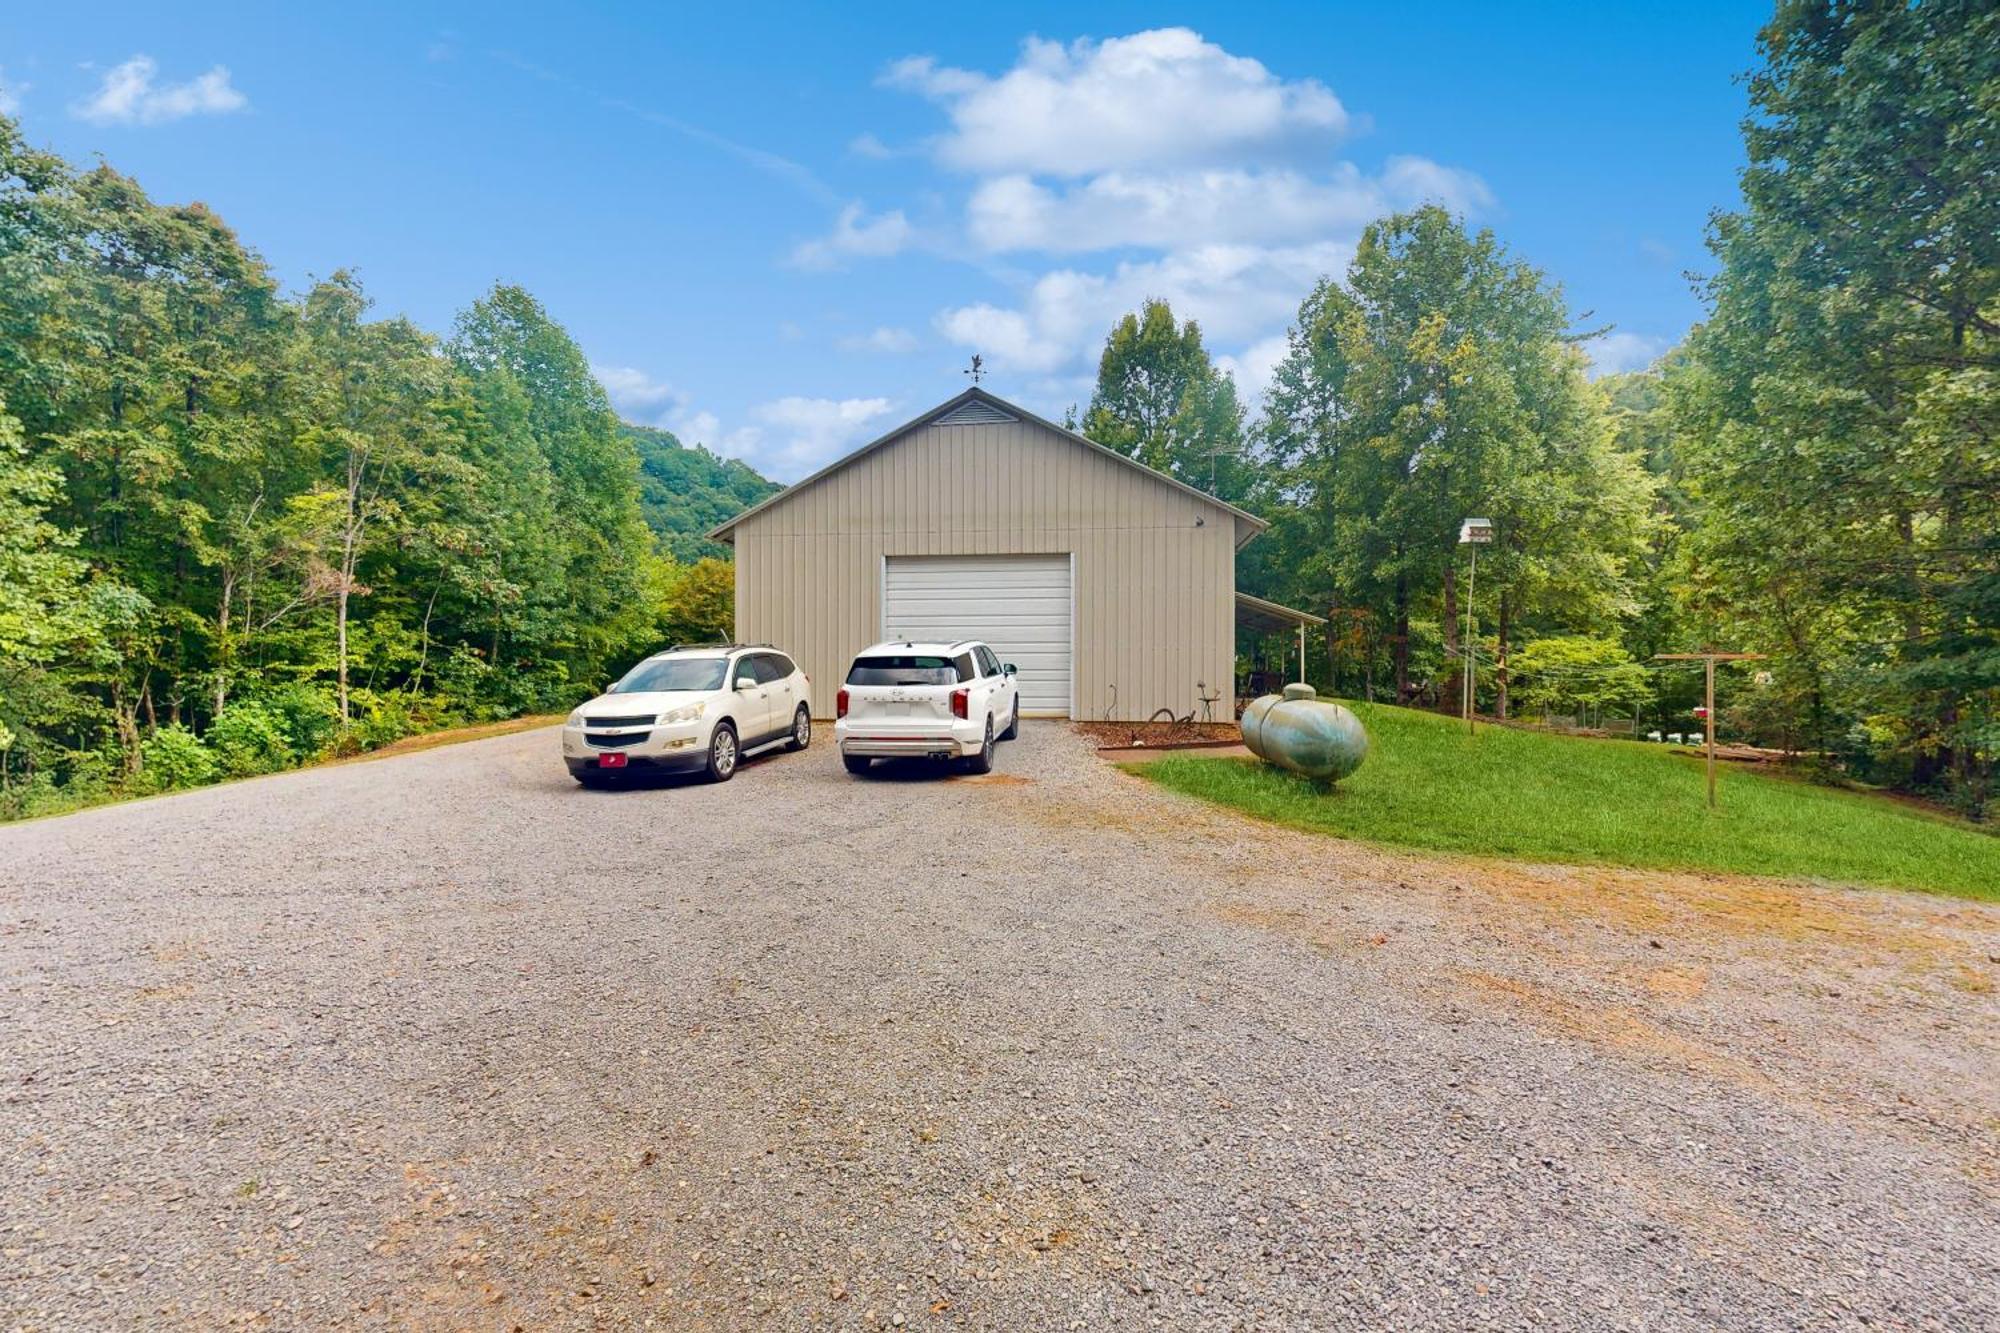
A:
(781, 230)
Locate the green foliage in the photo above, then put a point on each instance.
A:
(1160, 400)
(306, 715)
(1437, 383)
(1574, 673)
(1835, 415)
(249, 738)
(284, 524)
(685, 491)
(1541, 797)
(174, 757)
(700, 604)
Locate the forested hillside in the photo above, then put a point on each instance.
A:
(685, 491)
(240, 529)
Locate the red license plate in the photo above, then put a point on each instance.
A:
(611, 761)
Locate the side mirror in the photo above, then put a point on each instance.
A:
(1009, 668)
(745, 684)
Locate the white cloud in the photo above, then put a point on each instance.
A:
(786, 438)
(1202, 177)
(128, 96)
(10, 95)
(884, 339)
(798, 435)
(1618, 351)
(637, 396)
(1237, 293)
(856, 235)
(869, 146)
(1253, 367)
(1161, 98)
(1168, 211)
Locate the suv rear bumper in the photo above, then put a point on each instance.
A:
(934, 740)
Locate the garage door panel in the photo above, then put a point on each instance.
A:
(1018, 604)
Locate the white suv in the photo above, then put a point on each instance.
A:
(688, 710)
(928, 700)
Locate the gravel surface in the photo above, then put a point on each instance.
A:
(444, 1041)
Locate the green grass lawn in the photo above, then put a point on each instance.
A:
(1559, 798)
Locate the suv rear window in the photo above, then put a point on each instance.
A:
(903, 669)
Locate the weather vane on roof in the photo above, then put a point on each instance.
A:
(978, 368)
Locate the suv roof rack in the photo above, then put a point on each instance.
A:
(713, 647)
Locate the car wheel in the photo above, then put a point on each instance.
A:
(855, 763)
(983, 761)
(1013, 731)
(722, 754)
(802, 730)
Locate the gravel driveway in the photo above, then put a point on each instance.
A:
(444, 1041)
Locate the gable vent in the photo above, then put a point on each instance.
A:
(974, 413)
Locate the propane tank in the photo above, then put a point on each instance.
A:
(1305, 734)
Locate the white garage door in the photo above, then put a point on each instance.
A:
(1018, 603)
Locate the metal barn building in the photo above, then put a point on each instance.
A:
(1111, 586)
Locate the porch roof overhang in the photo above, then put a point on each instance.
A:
(1262, 617)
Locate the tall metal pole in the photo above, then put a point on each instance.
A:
(1302, 652)
(1471, 657)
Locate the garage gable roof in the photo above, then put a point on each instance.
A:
(977, 404)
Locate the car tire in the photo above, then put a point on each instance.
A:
(802, 730)
(1013, 731)
(856, 764)
(723, 754)
(983, 761)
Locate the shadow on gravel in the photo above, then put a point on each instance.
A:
(921, 770)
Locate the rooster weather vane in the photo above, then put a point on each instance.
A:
(978, 368)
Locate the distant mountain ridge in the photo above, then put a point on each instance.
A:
(685, 490)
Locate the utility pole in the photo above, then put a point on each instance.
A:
(1708, 661)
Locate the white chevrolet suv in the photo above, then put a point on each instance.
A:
(690, 710)
(927, 700)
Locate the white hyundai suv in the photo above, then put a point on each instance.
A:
(689, 710)
(927, 700)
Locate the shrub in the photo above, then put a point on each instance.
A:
(248, 738)
(173, 758)
(381, 718)
(306, 714)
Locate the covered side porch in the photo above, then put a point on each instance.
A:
(1270, 646)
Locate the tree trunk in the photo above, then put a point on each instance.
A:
(1333, 649)
(340, 640)
(1500, 675)
(222, 650)
(350, 548)
(125, 716)
(1371, 644)
(1400, 649)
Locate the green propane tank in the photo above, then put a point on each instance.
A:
(1305, 734)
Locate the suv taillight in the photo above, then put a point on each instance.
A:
(840, 704)
(961, 702)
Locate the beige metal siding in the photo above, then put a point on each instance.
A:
(1155, 566)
